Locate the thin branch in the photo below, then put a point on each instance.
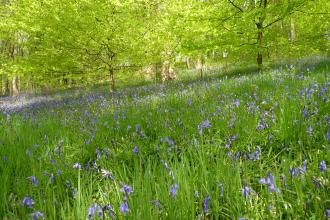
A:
(232, 3)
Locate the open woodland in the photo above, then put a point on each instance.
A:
(164, 109)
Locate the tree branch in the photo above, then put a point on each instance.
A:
(232, 3)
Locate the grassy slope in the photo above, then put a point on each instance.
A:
(206, 162)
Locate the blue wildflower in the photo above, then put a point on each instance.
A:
(77, 166)
(323, 166)
(327, 213)
(109, 208)
(136, 150)
(37, 215)
(206, 204)
(204, 125)
(157, 204)
(27, 202)
(126, 189)
(316, 183)
(93, 210)
(124, 207)
(107, 174)
(303, 167)
(34, 180)
(51, 178)
(173, 190)
(246, 191)
(196, 194)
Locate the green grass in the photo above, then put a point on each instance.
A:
(200, 162)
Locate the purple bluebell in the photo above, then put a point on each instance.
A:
(37, 215)
(157, 204)
(109, 208)
(27, 202)
(327, 214)
(293, 171)
(309, 130)
(107, 174)
(246, 191)
(98, 154)
(204, 125)
(196, 194)
(93, 210)
(34, 180)
(255, 155)
(169, 141)
(51, 178)
(303, 168)
(323, 166)
(316, 183)
(173, 189)
(77, 166)
(206, 204)
(126, 189)
(136, 150)
(124, 207)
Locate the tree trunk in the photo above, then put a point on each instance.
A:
(5, 85)
(15, 86)
(158, 69)
(259, 42)
(292, 30)
(112, 79)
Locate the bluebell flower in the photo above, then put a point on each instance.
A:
(327, 213)
(204, 125)
(316, 183)
(34, 180)
(173, 189)
(51, 178)
(206, 204)
(37, 215)
(246, 191)
(136, 150)
(124, 207)
(98, 154)
(109, 208)
(93, 210)
(27, 202)
(126, 189)
(293, 171)
(107, 174)
(169, 141)
(309, 130)
(196, 194)
(323, 166)
(77, 166)
(157, 204)
(303, 167)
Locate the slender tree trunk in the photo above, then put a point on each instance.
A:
(5, 85)
(260, 38)
(112, 79)
(30, 84)
(292, 30)
(158, 69)
(15, 86)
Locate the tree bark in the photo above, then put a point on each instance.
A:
(5, 85)
(112, 79)
(259, 42)
(15, 86)
(292, 30)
